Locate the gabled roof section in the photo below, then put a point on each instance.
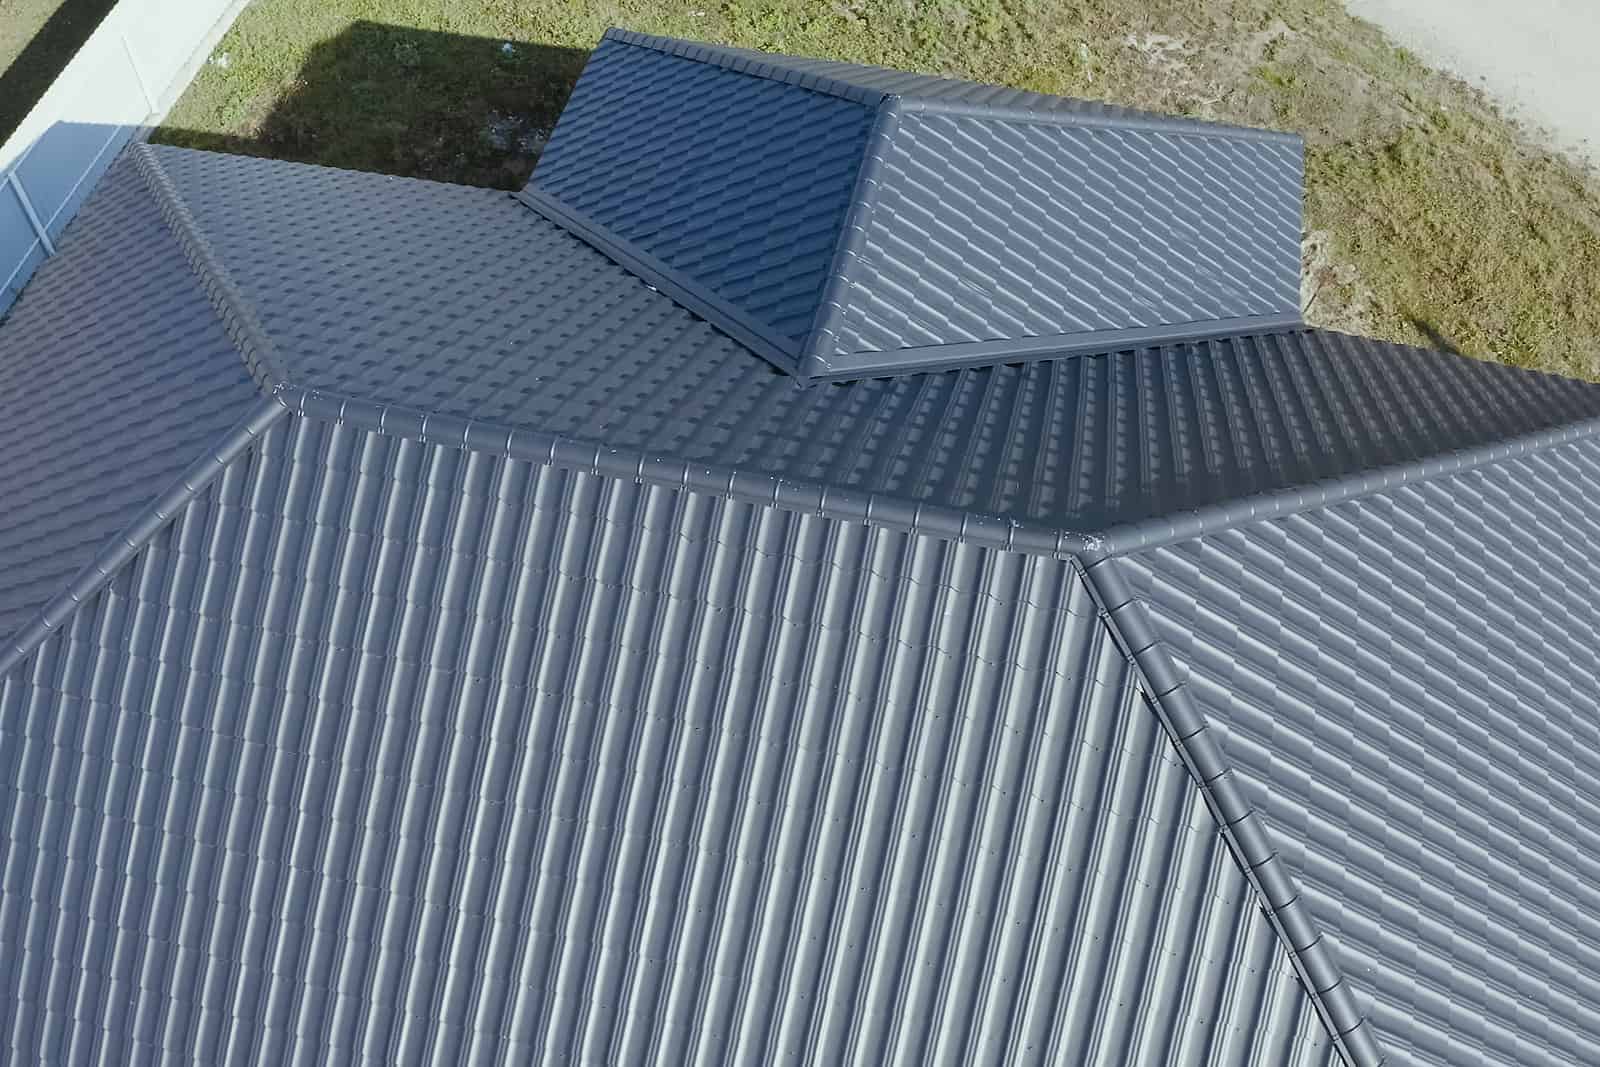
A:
(115, 375)
(846, 221)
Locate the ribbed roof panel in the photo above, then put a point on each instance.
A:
(1407, 685)
(395, 752)
(846, 222)
(115, 374)
(456, 302)
(741, 183)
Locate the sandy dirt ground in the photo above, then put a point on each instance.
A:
(1539, 58)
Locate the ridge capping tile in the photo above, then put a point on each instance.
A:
(875, 509)
(233, 307)
(742, 327)
(1318, 973)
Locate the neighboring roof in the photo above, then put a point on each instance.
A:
(397, 752)
(114, 376)
(842, 229)
(508, 555)
(451, 301)
(1408, 686)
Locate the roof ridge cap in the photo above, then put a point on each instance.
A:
(789, 494)
(149, 521)
(740, 61)
(238, 315)
(1165, 691)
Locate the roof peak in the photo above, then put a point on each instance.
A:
(872, 85)
(846, 221)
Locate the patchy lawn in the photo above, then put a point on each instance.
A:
(1431, 218)
(37, 38)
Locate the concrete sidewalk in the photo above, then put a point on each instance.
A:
(1536, 57)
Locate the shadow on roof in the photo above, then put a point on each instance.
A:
(396, 100)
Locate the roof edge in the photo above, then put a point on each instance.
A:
(1127, 620)
(1163, 530)
(1172, 125)
(137, 534)
(722, 56)
(227, 298)
(959, 354)
(771, 67)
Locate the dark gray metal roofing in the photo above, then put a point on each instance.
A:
(455, 302)
(410, 753)
(114, 375)
(1406, 684)
(841, 230)
(740, 183)
(453, 385)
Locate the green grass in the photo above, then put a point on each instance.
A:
(1431, 218)
(37, 38)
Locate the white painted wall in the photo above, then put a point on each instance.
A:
(1539, 57)
(124, 79)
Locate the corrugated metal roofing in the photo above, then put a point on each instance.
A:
(842, 230)
(451, 301)
(114, 376)
(403, 753)
(1407, 685)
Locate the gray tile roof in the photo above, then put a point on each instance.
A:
(1406, 684)
(843, 221)
(525, 666)
(400, 752)
(456, 302)
(114, 376)
(780, 163)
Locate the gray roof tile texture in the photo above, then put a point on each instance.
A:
(640, 775)
(780, 165)
(1406, 683)
(842, 232)
(456, 302)
(114, 375)
(1397, 680)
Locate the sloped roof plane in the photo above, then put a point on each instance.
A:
(844, 224)
(526, 666)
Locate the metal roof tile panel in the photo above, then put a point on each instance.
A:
(452, 301)
(595, 357)
(739, 182)
(845, 222)
(1406, 685)
(260, 792)
(115, 374)
(986, 231)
